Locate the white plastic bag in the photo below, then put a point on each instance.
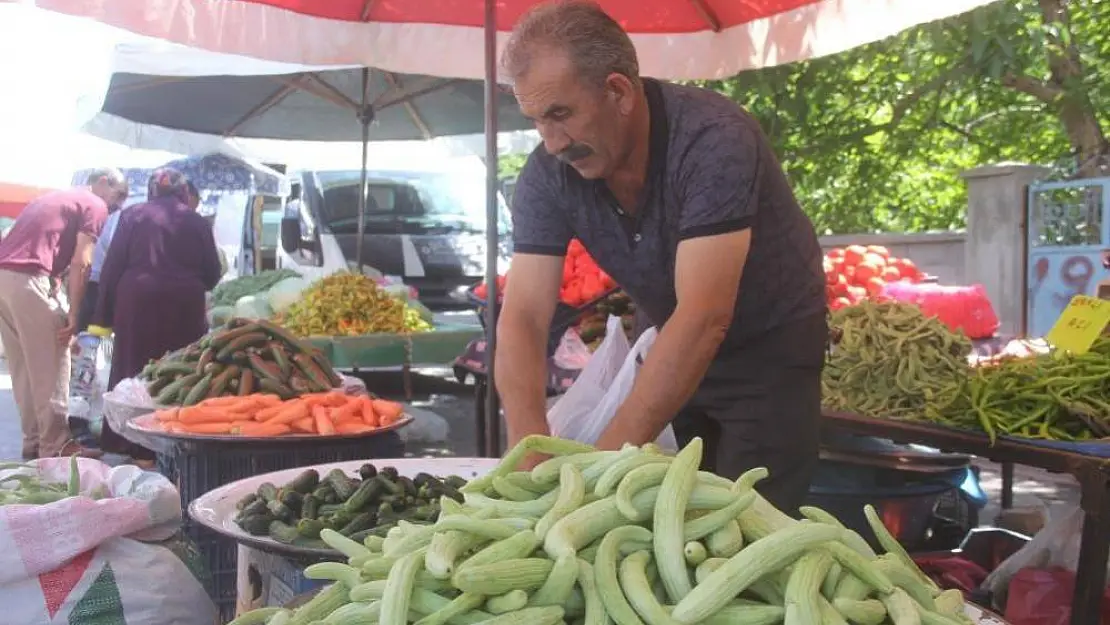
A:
(1057, 544)
(592, 401)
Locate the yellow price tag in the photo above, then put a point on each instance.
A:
(1081, 323)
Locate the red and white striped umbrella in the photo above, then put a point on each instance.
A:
(676, 39)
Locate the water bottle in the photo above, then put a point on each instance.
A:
(82, 378)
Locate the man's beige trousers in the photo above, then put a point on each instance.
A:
(30, 318)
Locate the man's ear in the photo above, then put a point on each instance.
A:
(622, 90)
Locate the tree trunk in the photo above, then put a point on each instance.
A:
(1073, 106)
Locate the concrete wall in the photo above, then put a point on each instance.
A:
(936, 253)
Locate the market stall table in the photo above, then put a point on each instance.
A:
(1092, 473)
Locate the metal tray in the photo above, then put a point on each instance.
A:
(216, 509)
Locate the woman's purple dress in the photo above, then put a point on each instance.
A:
(161, 261)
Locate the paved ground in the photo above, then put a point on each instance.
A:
(446, 411)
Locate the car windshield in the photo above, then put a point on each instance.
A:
(409, 200)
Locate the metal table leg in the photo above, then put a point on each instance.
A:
(1007, 485)
(481, 419)
(1090, 574)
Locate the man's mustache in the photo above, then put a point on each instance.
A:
(575, 152)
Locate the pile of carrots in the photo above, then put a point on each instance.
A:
(264, 415)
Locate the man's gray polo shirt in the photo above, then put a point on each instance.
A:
(711, 171)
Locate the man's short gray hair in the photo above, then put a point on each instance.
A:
(111, 173)
(595, 43)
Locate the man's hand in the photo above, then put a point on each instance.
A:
(66, 332)
(688, 342)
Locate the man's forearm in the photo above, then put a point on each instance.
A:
(520, 375)
(671, 373)
(78, 279)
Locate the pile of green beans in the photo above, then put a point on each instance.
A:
(889, 360)
(1052, 396)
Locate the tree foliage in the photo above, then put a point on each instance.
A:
(874, 139)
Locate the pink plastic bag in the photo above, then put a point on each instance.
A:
(965, 308)
(1043, 597)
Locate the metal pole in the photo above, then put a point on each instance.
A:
(493, 405)
(365, 116)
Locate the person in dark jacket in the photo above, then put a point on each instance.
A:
(161, 262)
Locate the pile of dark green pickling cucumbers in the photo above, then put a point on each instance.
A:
(370, 504)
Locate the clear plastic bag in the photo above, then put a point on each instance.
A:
(572, 354)
(1056, 545)
(592, 401)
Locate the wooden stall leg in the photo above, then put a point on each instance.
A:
(1007, 485)
(1090, 574)
(480, 416)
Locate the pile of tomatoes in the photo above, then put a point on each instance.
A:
(583, 280)
(857, 272)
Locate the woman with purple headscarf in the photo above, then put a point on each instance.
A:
(162, 260)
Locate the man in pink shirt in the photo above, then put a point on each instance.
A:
(52, 239)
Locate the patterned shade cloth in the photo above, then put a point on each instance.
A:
(209, 172)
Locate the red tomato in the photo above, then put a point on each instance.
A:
(907, 269)
(875, 286)
(839, 303)
(856, 293)
(891, 273)
(865, 271)
(841, 287)
(853, 254)
(874, 259)
(835, 253)
(879, 249)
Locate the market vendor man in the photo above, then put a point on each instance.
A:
(677, 194)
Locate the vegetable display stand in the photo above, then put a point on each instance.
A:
(1090, 470)
(396, 351)
(214, 513)
(203, 464)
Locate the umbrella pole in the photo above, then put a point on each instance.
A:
(492, 442)
(365, 116)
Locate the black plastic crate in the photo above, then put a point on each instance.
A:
(198, 466)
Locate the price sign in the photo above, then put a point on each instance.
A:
(1081, 323)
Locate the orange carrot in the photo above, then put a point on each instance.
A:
(199, 414)
(329, 399)
(353, 427)
(369, 415)
(387, 409)
(348, 420)
(290, 412)
(306, 425)
(266, 399)
(389, 412)
(173, 426)
(267, 413)
(168, 414)
(229, 400)
(207, 428)
(254, 428)
(324, 424)
(351, 407)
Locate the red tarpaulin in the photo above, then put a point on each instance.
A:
(676, 39)
(13, 197)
